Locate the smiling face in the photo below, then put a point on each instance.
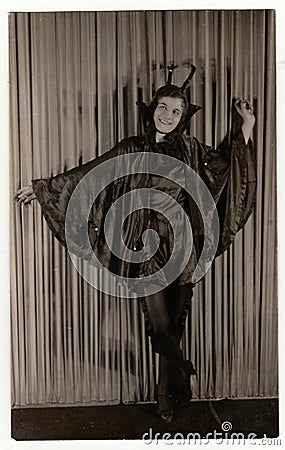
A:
(167, 114)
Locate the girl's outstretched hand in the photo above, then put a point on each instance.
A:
(25, 195)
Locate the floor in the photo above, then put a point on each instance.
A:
(135, 421)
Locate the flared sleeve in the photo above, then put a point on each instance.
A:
(230, 174)
(238, 198)
(54, 194)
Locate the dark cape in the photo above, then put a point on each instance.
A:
(229, 173)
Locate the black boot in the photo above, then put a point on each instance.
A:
(180, 390)
(164, 404)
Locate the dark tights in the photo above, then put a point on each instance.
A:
(166, 313)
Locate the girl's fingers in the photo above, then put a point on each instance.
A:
(243, 105)
(26, 198)
(21, 193)
(29, 199)
(19, 198)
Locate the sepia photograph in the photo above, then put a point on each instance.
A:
(143, 225)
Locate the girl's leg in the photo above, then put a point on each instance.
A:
(178, 304)
(163, 334)
(165, 342)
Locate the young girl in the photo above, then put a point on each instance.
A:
(229, 174)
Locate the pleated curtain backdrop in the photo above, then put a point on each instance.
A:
(74, 78)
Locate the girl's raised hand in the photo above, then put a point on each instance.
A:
(245, 110)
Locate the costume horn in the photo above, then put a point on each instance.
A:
(170, 73)
(189, 78)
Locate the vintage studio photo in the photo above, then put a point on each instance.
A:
(143, 225)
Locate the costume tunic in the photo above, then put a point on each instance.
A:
(229, 173)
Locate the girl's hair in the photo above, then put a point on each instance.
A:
(169, 90)
(147, 112)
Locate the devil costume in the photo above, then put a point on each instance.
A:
(230, 175)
